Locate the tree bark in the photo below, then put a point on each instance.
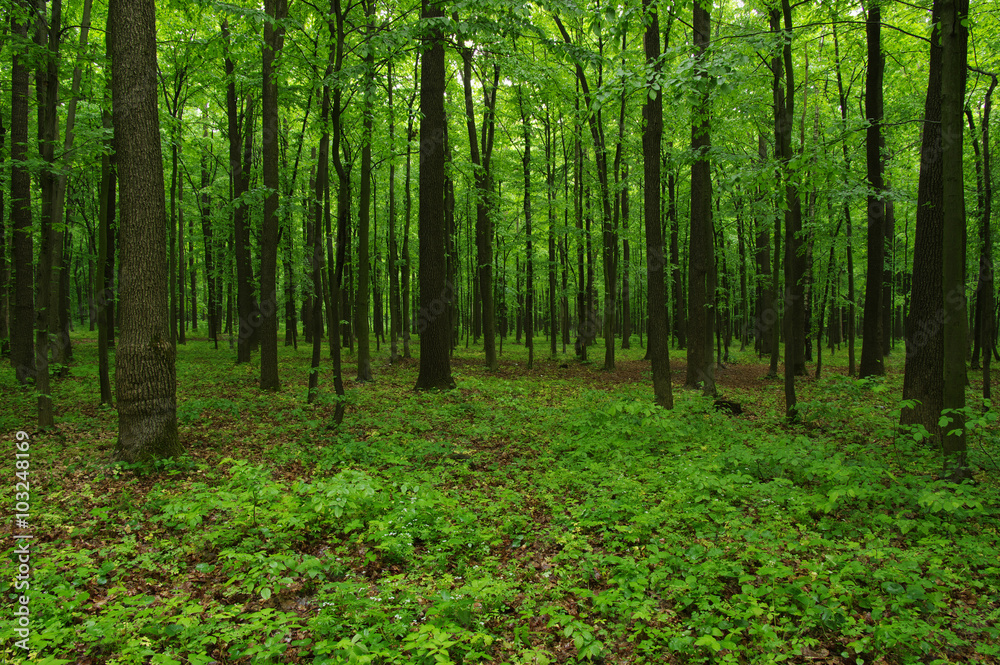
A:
(701, 261)
(484, 184)
(145, 377)
(954, 45)
(871, 342)
(923, 376)
(274, 37)
(652, 136)
(435, 294)
(529, 298)
(23, 319)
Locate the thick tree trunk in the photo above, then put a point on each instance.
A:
(144, 374)
(871, 343)
(652, 135)
(701, 266)
(954, 45)
(22, 255)
(47, 91)
(435, 294)
(924, 368)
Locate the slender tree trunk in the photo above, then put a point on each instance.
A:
(274, 36)
(480, 157)
(59, 318)
(852, 315)
(145, 378)
(4, 265)
(181, 260)
(394, 314)
(239, 165)
(210, 250)
(362, 301)
(550, 182)
(609, 234)
(871, 342)
(529, 292)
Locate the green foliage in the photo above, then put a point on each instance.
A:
(605, 527)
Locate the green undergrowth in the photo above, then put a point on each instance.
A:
(532, 517)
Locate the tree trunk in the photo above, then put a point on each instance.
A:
(852, 316)
(652, 135)
(239, 166)
(47, 92)
(362, 301)
(274, 37)
(435, 358)
(871, 342)
(954, 45)
(145, 378)
(924, 366)
(23, 320)
(481, 168)
(529, 292)
(394, 314)
(701, 266)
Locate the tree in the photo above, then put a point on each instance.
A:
(362, 297)
(145, 378)
(954, 46)
(47, 92)
(701, 259)
(923, 376)
(481, 160)
(239, 165)
(435, 294)
(652, 135)
(871, 341)
(274, 37)
(23, 320)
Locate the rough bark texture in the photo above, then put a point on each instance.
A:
(954, 45)
(435, 294)
(652, 135)
(46, 90)
(871, 341)
(923, 375)
(274, 37)
(144, 374)
(701, 261)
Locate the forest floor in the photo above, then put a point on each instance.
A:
(550, 515)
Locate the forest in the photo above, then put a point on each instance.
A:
(482, 332)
